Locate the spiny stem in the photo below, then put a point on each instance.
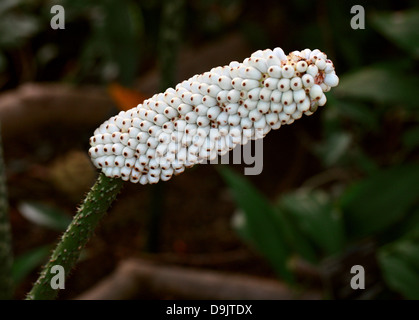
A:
(6, 257)
(67, 252)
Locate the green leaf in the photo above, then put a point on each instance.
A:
(357, 112)
(333, 148)
(399, 262)
(123, 28)
(410, 251)
(402, 28)
(383, 84)
(45, 215)
(399, 275)
(317, 218)
(24, 264)
(294, 238)
(374, 204)
(112, 50)
(261, 227)
(364, 162)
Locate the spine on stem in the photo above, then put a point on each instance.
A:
(67, 252)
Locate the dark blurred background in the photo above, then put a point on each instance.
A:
(339, 188)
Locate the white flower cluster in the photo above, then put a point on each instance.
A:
(210, 113)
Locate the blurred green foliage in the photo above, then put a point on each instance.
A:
(113, 47)
(261, 225)
(28, 262)
(103, 40)
(46, 216)
(371, 132)
(313, 225)
(370, 126)
(402, 28)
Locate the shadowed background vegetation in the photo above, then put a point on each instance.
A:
(338, 189)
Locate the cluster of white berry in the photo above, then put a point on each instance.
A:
(210, 113)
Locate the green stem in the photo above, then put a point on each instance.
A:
(105, 190)
(6, 257)
(67, 252)
(169, 39)
(157, 192)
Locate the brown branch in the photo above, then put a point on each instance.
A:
(33, 105)
(140, 279)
